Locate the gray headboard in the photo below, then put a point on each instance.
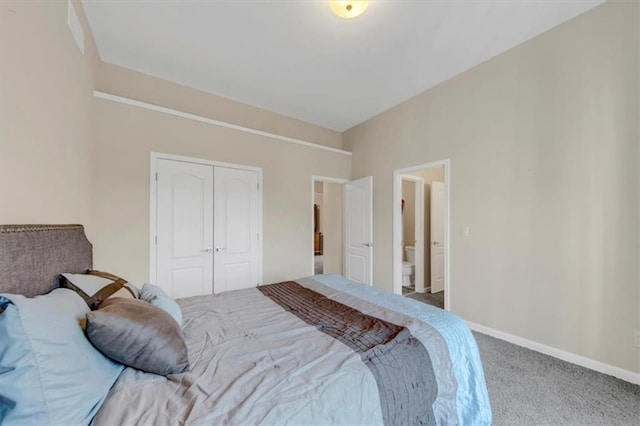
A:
(32, 256)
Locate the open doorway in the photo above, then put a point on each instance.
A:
(327, 225)
(421, 233)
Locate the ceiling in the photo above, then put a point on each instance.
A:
(298, 59)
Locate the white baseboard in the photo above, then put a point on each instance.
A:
(589, 363)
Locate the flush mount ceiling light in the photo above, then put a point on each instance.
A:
(348, 9)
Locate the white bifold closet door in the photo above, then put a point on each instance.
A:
(207, 228)
(235, 229)
(184, 265)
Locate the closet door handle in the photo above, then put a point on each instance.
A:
(207, 250)
(220, 249)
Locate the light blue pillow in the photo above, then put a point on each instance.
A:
(48, 368)
(157, 297)
(149, 291)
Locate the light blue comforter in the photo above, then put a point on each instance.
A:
(472, 399)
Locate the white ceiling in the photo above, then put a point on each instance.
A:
(298, 59)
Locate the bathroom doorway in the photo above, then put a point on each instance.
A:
(327, 226)
(421, 233)
(413, 234)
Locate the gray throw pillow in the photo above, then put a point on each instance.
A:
(139, 335)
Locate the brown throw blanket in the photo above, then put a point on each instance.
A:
(399, 362)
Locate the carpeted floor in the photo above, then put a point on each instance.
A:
(530, 388)
(408, 289)
(436, 299)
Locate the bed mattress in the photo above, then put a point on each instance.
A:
(320, 350)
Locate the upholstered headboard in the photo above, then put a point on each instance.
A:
(32, 256)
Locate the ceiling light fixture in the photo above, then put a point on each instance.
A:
(348, 9)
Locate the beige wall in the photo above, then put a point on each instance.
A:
(67, 157)
(287, 168)
(132, 84)
(331, 220)
(543, 142)
(124, 137)
(45, 105)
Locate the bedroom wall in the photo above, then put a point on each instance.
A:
(46, 89)
(124, 137)
(62, 161)
(543, 142)
(135, 85)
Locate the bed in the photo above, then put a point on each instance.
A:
(317, 350)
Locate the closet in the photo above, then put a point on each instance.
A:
(206, 226)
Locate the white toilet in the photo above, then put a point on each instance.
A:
(408, 267)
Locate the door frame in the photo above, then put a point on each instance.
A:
(314, 179)
(418, 229)
(153, 203)
(397, 225)
(432, 234)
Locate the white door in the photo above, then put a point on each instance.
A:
(184, 262)
(236, 216)
(419, 233)
(438, 248)
(358, 226)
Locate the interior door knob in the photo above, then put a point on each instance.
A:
(207, 250)
(436, 243)
(219, 248)
(367, 244)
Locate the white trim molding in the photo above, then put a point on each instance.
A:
(194, 117)
(592, 364)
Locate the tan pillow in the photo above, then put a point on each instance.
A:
(138, 334)
(95, 287)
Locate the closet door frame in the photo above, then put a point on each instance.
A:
(153, 204)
